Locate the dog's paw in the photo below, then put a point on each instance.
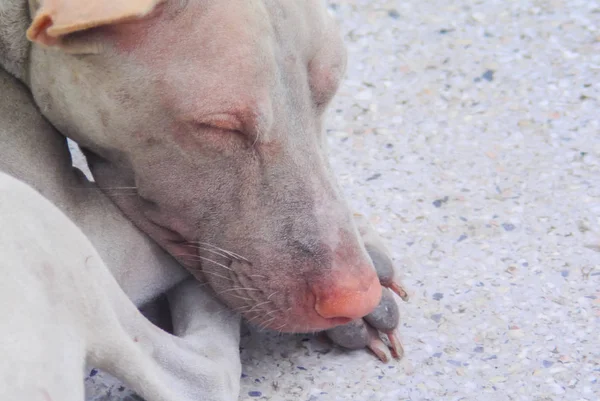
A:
(384, 319)
(380, 256)
(365, 332)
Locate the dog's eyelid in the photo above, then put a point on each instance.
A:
(226, 122)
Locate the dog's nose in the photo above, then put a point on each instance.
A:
(347, 293)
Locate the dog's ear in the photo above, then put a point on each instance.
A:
(57, 18)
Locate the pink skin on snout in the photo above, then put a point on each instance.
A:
(214, 113)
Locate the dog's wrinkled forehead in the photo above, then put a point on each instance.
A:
(234, 44)
(213, 51)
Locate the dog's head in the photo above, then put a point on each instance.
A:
(212, 112)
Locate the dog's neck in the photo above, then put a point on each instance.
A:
(14, 46)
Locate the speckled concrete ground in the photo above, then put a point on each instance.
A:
(470, 131)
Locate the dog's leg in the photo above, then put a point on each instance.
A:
(200, 363)
(42, 352)
(218, 341)
(62, 307)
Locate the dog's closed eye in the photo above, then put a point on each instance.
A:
(223, 122)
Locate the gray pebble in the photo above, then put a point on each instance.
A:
(508, 226)
(488, 75)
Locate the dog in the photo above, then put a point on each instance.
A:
(201, 122)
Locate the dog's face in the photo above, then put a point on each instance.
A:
(212, 112)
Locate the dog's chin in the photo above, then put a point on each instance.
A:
(292, 324)
(301, 317)
(315, 325)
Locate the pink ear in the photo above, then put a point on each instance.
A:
(56, 18)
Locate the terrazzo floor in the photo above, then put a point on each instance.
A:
(469, 131)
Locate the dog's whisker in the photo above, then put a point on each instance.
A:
(230, 312)
(218, 275)
(242, 309)
(280, 328)
(258, 305)
(233, 254)
(240, 297)
(198, 258)
(265, 323)
(238, 289)
(255, 322)
(209, 250)
(269, 297)
(262, 323)
(270, 313)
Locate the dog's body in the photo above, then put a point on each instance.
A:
(224, 168)
(63, 308)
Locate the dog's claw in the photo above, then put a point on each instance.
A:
(385, 271)
(377, 346)
(398, 289)
(395, 346)
(385, 318)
